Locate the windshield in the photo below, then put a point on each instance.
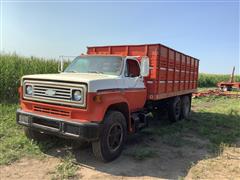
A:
(96, 64)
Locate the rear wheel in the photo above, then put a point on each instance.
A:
(110, 144)
(186, 107)
(174, 109)
(35, 135)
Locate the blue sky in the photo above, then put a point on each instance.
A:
(206, 30)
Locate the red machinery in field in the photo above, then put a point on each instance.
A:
(228, 86)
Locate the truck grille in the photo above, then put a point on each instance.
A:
(54, 92)
(60, 93)
(53, 111)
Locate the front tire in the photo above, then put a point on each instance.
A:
(112, 139)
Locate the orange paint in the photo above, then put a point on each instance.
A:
(95, 111)
(166, 64)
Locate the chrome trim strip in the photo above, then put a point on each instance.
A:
(163, 68)
(149, 82)
(46, 127)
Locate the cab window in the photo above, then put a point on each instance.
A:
(132, 68)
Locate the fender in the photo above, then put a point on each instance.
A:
(134, 99)
(107, 98)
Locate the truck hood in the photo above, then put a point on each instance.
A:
(95, 81)
(71, 77)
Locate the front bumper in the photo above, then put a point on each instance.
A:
(59, 127)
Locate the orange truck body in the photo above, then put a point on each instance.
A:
(172, 73)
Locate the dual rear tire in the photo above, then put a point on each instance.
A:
(186, 107)
(179, 108)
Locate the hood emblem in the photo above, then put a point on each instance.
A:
(50, 92)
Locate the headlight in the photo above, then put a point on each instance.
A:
(77, 95)
(29, 90)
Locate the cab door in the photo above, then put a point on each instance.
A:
(135, 90)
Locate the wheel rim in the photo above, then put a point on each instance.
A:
(115, 137)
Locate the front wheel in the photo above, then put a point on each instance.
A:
(110, 144)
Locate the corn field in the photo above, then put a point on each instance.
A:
(13, 67)
(210, 80)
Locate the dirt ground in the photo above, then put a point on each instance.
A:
(225, 166)
(188, 161)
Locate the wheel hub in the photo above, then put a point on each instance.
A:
(178, 109)
(115, 137)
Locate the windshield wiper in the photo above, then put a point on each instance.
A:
(98, 72)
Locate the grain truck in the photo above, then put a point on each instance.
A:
(108, 93)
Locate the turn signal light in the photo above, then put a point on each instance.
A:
(97, 99)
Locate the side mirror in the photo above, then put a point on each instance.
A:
(145, 66)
